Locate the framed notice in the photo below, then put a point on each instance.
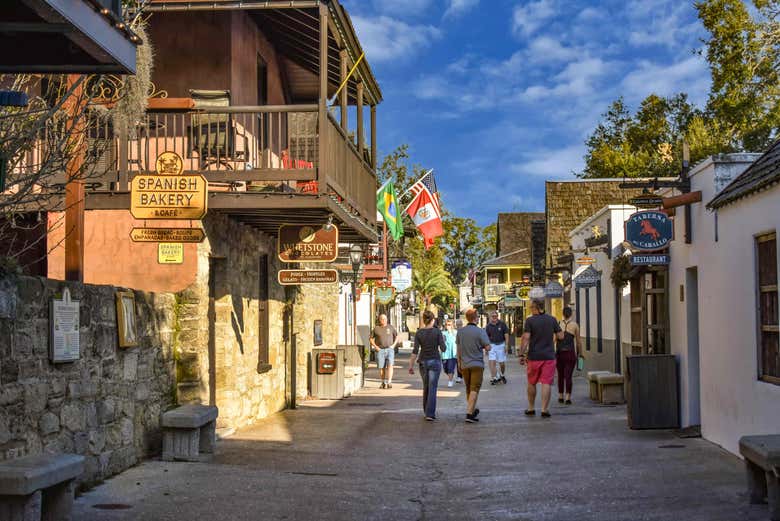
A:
(318, 332)
(127, 328)
(64, 329)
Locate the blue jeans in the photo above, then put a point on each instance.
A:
(430, 371)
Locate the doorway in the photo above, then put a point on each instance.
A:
(693, 372)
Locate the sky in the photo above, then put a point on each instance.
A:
(498, 96)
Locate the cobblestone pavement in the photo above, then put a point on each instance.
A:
(373, 457)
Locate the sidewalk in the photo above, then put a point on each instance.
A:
(372, 456)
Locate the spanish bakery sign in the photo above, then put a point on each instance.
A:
(304, 243)
(168, 195)
(649, 231)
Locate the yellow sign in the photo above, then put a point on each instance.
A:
(169, 163)
(167, 235)
(170, 253)
(168, 197)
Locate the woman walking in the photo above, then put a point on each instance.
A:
(449, 358)
(568, 351)
(429, 343)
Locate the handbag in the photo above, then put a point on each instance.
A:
(580, 363)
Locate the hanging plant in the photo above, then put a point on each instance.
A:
(134, 91)
(621, 270)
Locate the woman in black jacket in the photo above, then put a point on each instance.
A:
(428, 344)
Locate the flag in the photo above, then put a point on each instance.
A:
(424, 211)
(426, 182)
(387, 205)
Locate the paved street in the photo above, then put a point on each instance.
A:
(373, 456)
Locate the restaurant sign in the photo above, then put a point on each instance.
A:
(649, 231)
(167, 235)
(296, 277)
(650, 260)
(589, 278)
(384, 295)
(304, 243)
(169, 195)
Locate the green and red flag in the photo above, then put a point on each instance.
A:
(387, 205)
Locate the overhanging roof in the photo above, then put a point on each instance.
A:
(64, 36)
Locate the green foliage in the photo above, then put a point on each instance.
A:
(466, 245)
(430, 278)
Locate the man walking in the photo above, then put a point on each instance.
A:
(498, 333)
(383, 341)
(471, 342)
(538, 345)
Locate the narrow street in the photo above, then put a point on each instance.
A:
(373, 457)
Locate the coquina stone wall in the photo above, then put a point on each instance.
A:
(107, 405)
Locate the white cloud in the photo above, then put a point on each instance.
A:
(690, 75)
(552, 163)
(385, 38)
(459, 7)
(526, 19)
(547, 49)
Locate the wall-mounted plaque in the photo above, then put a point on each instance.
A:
(167, 235)
(127, 329)
(170, 253)
(295, 277)
(64, 329)
(304, 243)
(318, 332)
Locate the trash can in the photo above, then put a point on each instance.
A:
(328, 377)
(653, 395)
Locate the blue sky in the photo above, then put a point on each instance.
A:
(499, 95)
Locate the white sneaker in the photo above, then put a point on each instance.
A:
(458, 380)
(449, 384)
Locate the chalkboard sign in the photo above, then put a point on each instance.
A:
(64, 329)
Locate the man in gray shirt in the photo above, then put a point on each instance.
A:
(471, 342)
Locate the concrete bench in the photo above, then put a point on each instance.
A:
(593, 384)
(39, 488)
(611, 388)
(762, 462)
(188, 431)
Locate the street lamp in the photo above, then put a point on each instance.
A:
(356, 259)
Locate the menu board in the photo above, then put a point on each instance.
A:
(64, 329)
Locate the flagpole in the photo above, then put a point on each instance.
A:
(426, 174)
(383, 185)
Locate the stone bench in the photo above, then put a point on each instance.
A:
(593, 384)
(188, 431)
(611, 388)
(762, 462)
(39, 488)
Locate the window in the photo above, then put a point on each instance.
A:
(768, 332)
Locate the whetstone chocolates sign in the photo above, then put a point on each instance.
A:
(303, 243)
(649, 231)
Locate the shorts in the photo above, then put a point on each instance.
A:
(540, 371)
(472, 378)
(449, 365)
(386, 354)
(497, 353)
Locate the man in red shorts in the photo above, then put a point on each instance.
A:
(537, 351)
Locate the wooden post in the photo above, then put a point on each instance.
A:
(360, 120)
(74, 189)
(373, 137)
(323, 99)
(344, 62)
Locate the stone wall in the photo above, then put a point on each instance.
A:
(105, 406)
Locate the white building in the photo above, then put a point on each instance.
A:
(728, 352)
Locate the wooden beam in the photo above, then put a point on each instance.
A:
(681, 200)
(170, 104)
(74, 106)
(323, 97)
(360, 120)
(344, 64)
(373, 137)
(260, 174)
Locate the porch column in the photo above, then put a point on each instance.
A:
(360, 120)
(75, 106)
(323, 98)
(343, 95)
(373, 137)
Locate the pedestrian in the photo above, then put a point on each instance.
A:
(449, 358)
(567, 352)
(429, 343)
(458, 327)
(498, 333)
(383, 341)
(472, 342)
(537, 352)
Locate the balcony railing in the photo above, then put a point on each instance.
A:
(259, 148)
(496, 291)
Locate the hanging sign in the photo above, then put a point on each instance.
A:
(536, 292)
(589, 278)
(553, 289)
(384, 295)
(586, 261)
(647, 201)
(401, 274)
(522, 292)
(170, 253)
(656, 259)
(64, 329)
(295, 277)
(167, 235)
(169, 195)
(304, 243)
(512, 302)
(649, 230)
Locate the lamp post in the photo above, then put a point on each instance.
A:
(356, 259)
